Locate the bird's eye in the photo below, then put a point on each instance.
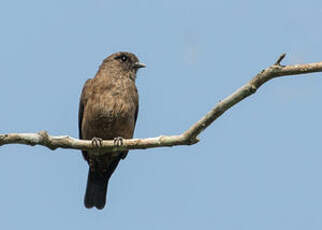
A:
(123, 58)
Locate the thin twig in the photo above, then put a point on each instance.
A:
(278, 62)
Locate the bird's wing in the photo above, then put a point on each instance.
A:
(136, 101)
(136, 113)
(124, 154)
(82, 103)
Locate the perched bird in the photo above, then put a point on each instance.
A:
(108, 110)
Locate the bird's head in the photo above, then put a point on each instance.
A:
(122, 62)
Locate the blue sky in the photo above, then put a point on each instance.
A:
(257, 167)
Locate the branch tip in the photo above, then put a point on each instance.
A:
(278, 62)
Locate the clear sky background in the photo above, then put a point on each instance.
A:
(257, 167)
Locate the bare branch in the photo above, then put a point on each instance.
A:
(67, 142)
(189, 137)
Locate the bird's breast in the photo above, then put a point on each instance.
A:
(111, 112)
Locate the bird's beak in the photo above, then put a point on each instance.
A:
(139, 65)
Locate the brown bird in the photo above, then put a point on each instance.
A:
(108, 110)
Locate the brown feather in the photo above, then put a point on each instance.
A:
(108, 109)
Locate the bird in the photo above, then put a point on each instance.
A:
(108, 110)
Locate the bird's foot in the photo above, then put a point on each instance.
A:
(118, 141)
(97, 142)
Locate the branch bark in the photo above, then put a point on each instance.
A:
(188, 137)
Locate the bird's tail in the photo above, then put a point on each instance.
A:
(96, 189)
(97, 183)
